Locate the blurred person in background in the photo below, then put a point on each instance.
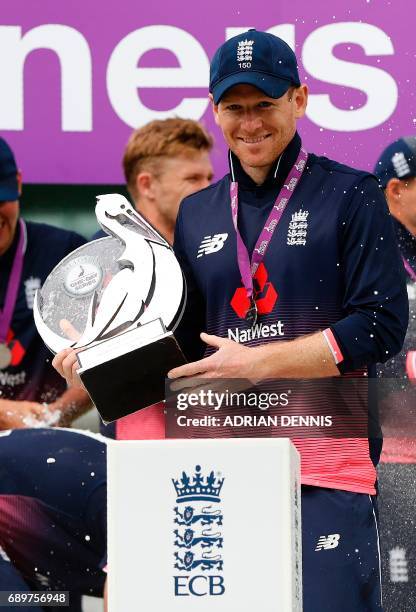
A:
(164, 161)
(396, 171)
(31, 392)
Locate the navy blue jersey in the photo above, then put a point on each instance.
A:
(348, 275)
(53, 508)
(332, 263)
(30, 375)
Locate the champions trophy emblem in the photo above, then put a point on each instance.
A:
(117, 299)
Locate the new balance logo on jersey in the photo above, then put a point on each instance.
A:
(328, 542)
(211, 244)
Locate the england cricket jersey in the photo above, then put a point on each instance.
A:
(30, 376)
(332, 263)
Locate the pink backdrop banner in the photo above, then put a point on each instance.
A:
(77, 76)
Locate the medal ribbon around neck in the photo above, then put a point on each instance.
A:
(409, 269)
(249, 268)
(12, 288)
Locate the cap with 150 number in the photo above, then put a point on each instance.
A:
(254, 58)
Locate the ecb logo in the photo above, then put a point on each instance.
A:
(197, 534)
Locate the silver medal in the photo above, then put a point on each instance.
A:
(5, 356)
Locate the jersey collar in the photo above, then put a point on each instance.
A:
(278, 172)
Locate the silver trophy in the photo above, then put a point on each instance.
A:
(118, 300)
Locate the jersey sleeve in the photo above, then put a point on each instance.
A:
(193, 319)
(375, 295)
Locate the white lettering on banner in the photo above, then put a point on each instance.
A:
(124, 77)
(76, 74)
(379, 86)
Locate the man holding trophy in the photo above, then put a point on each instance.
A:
(341, 307)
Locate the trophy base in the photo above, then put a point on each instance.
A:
(127, 373)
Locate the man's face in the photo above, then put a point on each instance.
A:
(9, 214)
(401, 198)
(408, 200)
(258, 128)
(179, 177)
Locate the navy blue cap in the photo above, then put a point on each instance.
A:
(398, 160)
(254, 58)
(9, 188)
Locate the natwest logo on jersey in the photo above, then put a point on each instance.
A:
(266, 297)
(257, 332)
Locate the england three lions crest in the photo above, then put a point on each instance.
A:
(197, 536)
(298, 228)
(245, 52)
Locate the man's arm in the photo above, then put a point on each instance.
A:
(69, 406)
(305, 357)
(17, 414)
(73, 403)
(375, 296)
(106, 596)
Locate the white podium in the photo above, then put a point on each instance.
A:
(204, 525)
